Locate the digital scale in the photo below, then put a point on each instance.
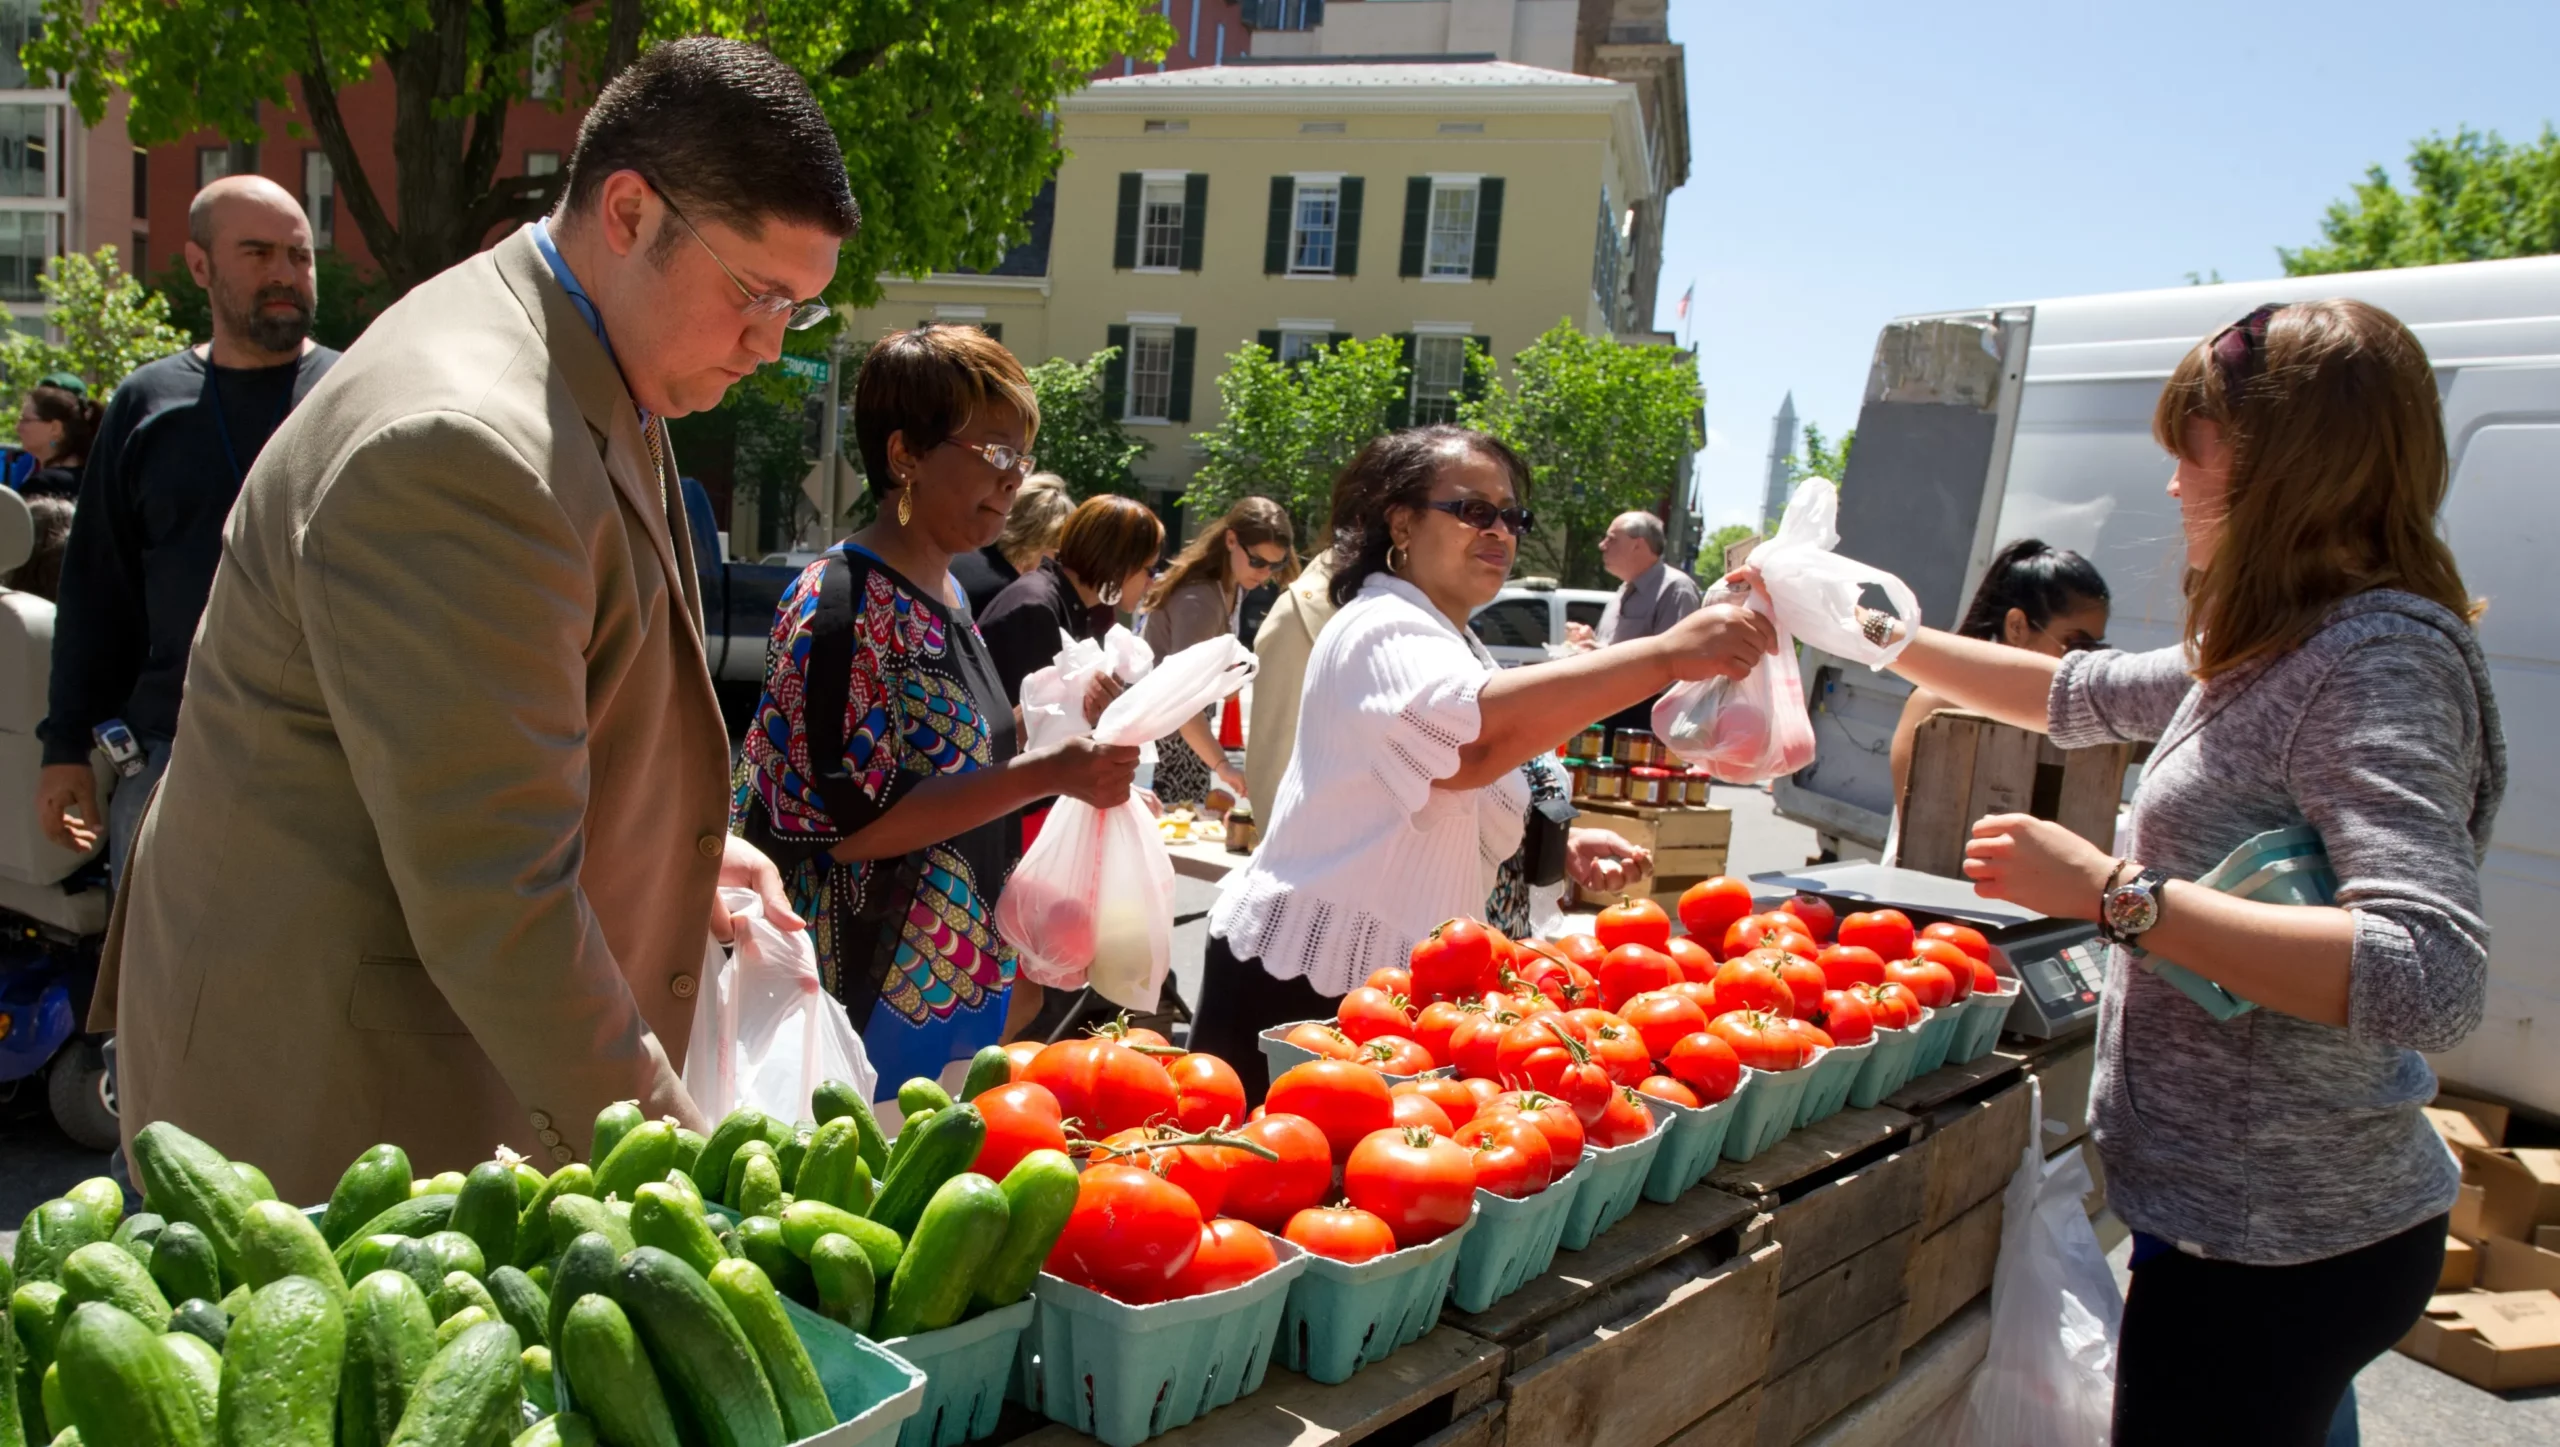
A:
(2060, 964)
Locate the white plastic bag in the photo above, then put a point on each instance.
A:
(2049, 1376)
(1754, 728)
(765, 1031)
(1092, 902)
(1053, 698)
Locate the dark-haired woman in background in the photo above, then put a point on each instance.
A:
(1107, 548)
(1198, 598)
(57, 426)
(2044, 599)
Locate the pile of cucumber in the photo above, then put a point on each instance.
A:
(637, 1302)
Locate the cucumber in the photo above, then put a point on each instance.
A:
(848, 1288)
(533, 1369)
(833, 1170)
(442, 1183)
(661, 1218)
(201, 1319)
(374, 1183)
(921, 1094)
(277, 1241)
(391, 1335)
(540, 1276)
(961, 1228)
(945, 1145)
(988, 1069)
(57, 1406)
(682, 1184)
(201, 1367)
(139, 1235)
(102, 1272)
(35, 1317)
(909, 1132)
(183, 1265)
(255, 1179)
(471, 1392)
(235, 1303)
(790, 1153)
(460, 1322)
(458, 1290)
(574, 1216)
(689, 1144)
(803, 1222)
(12, 1429)
(280, 1368)
(529, 1182)
(834, 1100)
(759, 1239)
(646, 1154)
(702, 1351)
(184, 1179)
(533, 1224)
(413, 1217)
(418, 1261)
(371, 1254)
(103, 1197)
(751, 1299)
(567, 1429)
(458, 1253)
(51, 1232)
(521, 1305)
(711, 1170)
(69, 1437)
(485, 1210)
(609, 1374)
(760, 1190)
(1040, 1193)
(587, 1267)
(613, 1123)
(747, 1151)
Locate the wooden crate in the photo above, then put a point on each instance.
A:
(1587, 1287)
(1805, 1159)
(1795, 1404)
(1697, 1338)
(1660, 827)
(1822, 1309)
(1964, 766)
(1972, 1149)
(1974, 1080)
(1950, 1268)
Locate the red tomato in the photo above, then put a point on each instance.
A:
(1933, 983)
(1345, 1233)
(1847, 1017)
(1210, 1092)
(1760, 1040)
(1963, 936)
(1588, 1021)
(1483, 1088)
(1894, 1006)
(1019, 1054)
(1367, 1012)
(1633, 922)
(1452, 962)
(1663, 1087)
(1324, 1040)
(1625, 1122)
(1846, 965)
(1020, 1119)
(1701, 993)
(1706, 1064)
(1346, 1101)
(1771, 931)
(1885, 931)
(1751, 981)
(1394, 979)
(1395, 1055)
(1511, 1156)
(1557, 1121)
(1131, 1232)
(1959, 965)
(1661, 1018)
(1632, 969)
(1422, 1185)
(1433, 1026)
(1201, 1171)
(1561, 1066)
(1805, 982)
(1815, 913)
(1709, 907)
(1268, 1193)
(1986, 980)
(1420, 1111)
(1814, 1036)
(1457, 1103)
(1231, 1253)
(1621, 1053)
(1533, 1032)
(1475, 1045)
(1105, 1084)
(1583, 950)
(1695, 960)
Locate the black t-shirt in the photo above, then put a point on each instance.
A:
(981, 576)
(177, 440)
(55, 481)
(1022, 626)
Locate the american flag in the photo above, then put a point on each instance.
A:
(1681, 311)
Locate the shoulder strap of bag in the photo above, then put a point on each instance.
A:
(829, 679)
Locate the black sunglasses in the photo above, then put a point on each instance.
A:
(2240, 348)
(1481, 515)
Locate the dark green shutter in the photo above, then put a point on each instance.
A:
(1124, 241)
(1400, 411)
(1185, 345)
(1275, 232)
(1417, 224)
(1488, 226)
(1346, 236)
(994, 330)
(1270, 342)
(1337, 339)
(1483, 346)
(1115, 378)
(1195, 217)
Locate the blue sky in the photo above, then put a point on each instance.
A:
(1851, 162)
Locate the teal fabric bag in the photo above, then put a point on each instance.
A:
(2283, 866)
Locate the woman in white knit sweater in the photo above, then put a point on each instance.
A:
(1404, 794)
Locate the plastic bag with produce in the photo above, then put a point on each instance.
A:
(765, 1031)
(1053, 698)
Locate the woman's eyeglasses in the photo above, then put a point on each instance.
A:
(1482, 516)
(1261, 564)
(999, 456)
(2240, 349)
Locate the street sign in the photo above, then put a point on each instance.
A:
(810, 368)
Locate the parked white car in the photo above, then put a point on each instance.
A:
(1527, 619)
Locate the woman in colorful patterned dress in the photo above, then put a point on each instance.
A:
(882, 773)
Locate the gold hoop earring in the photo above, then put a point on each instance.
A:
(1394, 553)
(907, 504)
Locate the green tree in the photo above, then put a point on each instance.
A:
(109, 323)
(1711, 554)
(1285, 429)
(1606, 428)
(1820, 458)
(1081, 439)
(2474, 197)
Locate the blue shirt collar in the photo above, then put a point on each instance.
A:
(569, 282)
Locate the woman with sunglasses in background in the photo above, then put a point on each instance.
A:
(1198, 598)
(2288, 1200)
(1405, 792)
(881, 773)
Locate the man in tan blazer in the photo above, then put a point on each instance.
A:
(434, 859)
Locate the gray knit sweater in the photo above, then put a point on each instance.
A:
(2267, 1139)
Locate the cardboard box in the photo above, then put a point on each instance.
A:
(2521, 1189)
(2466, 1211)
(2490, 1116)
(2515, 1266)
(2499, 1341)
(2461, 1265)
(2459, 1131)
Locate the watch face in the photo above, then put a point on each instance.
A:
(2131, 909)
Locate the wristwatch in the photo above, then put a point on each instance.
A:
(2127, 910)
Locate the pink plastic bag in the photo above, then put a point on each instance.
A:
(1741, 730)
(765, 1031)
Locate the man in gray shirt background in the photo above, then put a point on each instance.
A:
(1652, 596)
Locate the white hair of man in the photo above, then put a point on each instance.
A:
(1645, 528)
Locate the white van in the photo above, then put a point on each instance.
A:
(2035, 420)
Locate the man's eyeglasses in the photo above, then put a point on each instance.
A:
(999, 456)
(2240, 349)
(1482, 516)
(797, 316)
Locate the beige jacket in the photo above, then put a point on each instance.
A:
(433, 862)
(1280, 652)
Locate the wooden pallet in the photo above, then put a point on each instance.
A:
(1807, 1158)
(1950, 1268)
(1574, 1291)
(1694, 1340)
(1971, 1081)
(1841, 1283)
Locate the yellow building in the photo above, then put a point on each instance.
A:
(1200, 211)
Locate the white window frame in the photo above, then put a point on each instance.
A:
(1316, 189)
(1463, 241)
(542, 163)
(546, 56)
(320, 197)
(1160, 221)
(1434, 387)
(1145, 337)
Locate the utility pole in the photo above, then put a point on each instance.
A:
(829, 444)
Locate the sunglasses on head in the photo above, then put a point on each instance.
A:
(2240, 349)
(1482, 516)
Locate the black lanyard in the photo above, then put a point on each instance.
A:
(222, 423)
